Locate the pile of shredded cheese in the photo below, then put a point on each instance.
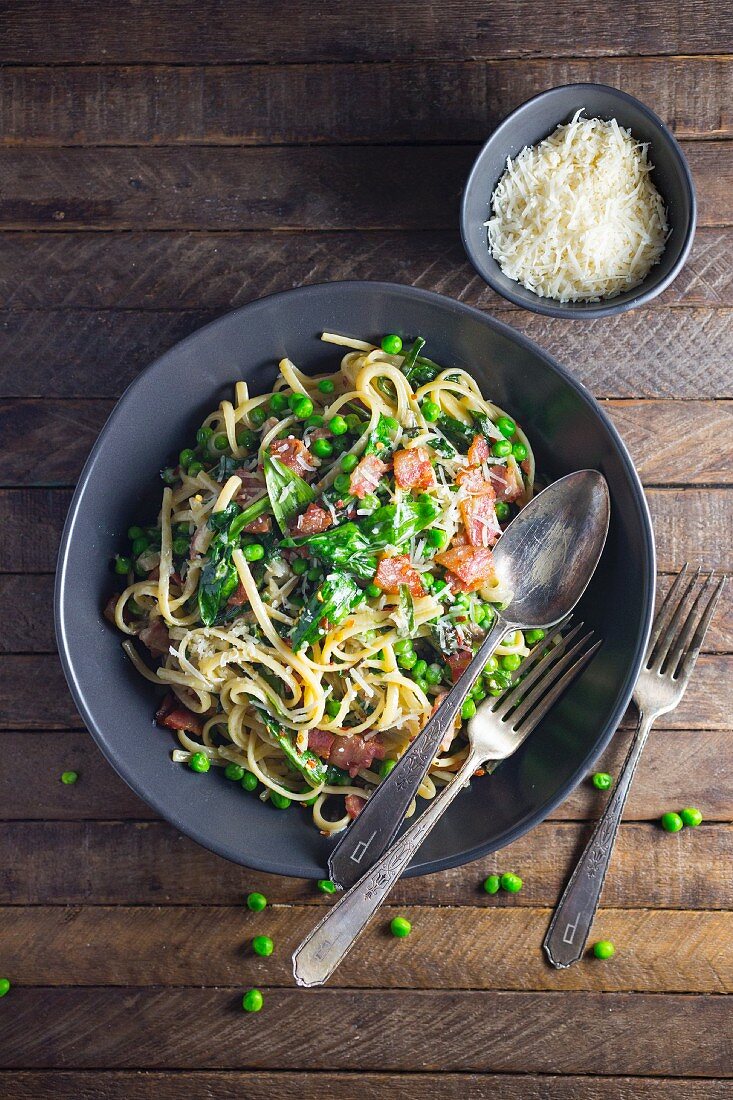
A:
(577, 218)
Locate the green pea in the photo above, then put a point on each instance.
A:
(439, 585)
(342, 483)
(254, 552)
(506, 426)
(672, 823)
(203, 435)
(511, 883)
(510, 662)
(333, 706)
(185, 457)
(314, 573)
(322, 448)
(134, 533)
(221, 442)
(252, 1001)
(478, 694)
(431, 411)
(491, 666)
(256, 902)
(532, 637)
(337, 777)
(4, 986)
(303, 407)
(195, 468)
(462, 600)
(168, 476)
(502, 510)
(501, 449)
(249, 781)
(258, 415)
(400, 927)
(199, 762)
(386, 767)
(420, 682)
(407, 660)
(69, 777)
(420, 668)
(392, 344)
(326, 385)
(691, 816)
(278, 402)
(326, 886)
(403, 646)
(280, 801)
(234, 771)
(315, 421)
(492, 884)
(602, 781)
(373, 591)
(139, 546)
(122, 565)
(437, 537)
(468, 709)
(299, 566)
(247, 439)
(263, 945)
(478, 613)
(349, 462)
(519, 451)
(338, 425)
(428, 579)
(434, 674)
(180, 547)
(604, 949)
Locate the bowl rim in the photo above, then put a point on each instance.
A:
(198, 832)
(572, 311)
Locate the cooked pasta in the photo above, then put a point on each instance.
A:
(320, 572)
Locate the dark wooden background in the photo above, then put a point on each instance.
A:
(161, 163)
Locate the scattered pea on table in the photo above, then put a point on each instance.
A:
(4, 986)
(492, 884)
(262, 945)
(256, 902)
(691, 816)
(602, 781)
(252, 1001)
(604, 949)
(400, 927)
(326, 886)
(69, 777)
(672, 822)
(511, 883)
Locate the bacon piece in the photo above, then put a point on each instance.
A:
(458, 663)
(174, 716)
(479, 451)
(472, 566)
(353, 752)
(392, 572)
(294, 454)
(238, 597)
(412, 469)
(109, 608)
(507, 482)
(366, 476)
(253, 486)
(354, 805)
(258, 526)
(314, 520)
(479, 519)
(156, 637)
(320, 741)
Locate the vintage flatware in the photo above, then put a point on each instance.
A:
(546, 557)
(496, 731)
(677, 635)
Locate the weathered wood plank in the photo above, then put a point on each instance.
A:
(687, 523)
(662, 951)
(314, 187)
(438, 101)
(233, 1085)
(678, 767)
(680, 1036)
(172, 31)
(219, 271)
(48, 441)
(150, 863)
(647, 353)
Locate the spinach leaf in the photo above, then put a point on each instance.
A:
(381, 528)
(379, 441)
(218, 580)
(408, 363)
(224, 468)
(332, 600)
(288, 493)
(311, 767)
(251, 512)
(485, 426)
(458, 433)
(442, 447)
(407, 609)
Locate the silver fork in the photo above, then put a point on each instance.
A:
(496, 731)
(674, 644)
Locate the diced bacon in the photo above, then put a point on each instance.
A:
(479, 451)
(174, 716)
(392, 572)
(320, 741)
(321, 433)
(458, 663)
(472, 566)
(474, 482)
(109, 608)
(314, 520)
(412, 469)
(507, 482)
(354, 805)
(253, 486)
(259, 526)
(479, 518)
(155, 636)
(353, 752)
(294, 454)
(366, 476)
(238, 597)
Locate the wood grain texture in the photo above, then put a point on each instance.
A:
(303, 187)
(663, 951)
(647, 353)
(149, 863)
(393, 101)
(220, 271)
(234, 1085)
(678, 767)
(669, 443)
(436, 1030)
(171, 30)
(687, 525)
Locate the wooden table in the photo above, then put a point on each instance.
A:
(161, 163)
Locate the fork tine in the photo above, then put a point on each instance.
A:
(541, 686)
(660, 619)
(538, 663)
(688, 659)
(678, 647)
(528, 724)
(685, 606)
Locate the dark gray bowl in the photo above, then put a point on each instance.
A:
(535, 120)
(158, 415)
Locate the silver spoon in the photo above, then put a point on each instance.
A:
(546, 558)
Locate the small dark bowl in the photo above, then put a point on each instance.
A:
(161, 411)
(529, 124)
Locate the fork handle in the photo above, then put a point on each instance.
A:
(571, 923)
(321, 952)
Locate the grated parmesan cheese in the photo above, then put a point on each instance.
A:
(577, 218)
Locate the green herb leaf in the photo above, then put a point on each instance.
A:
(224, 468)
(458, 433)
(407, 609)
(288, 493)
(218, 580)
(379, 441)
(311, 767)
(333, 600)
(408, 363)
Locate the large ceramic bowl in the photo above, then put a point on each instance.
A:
(160, 412)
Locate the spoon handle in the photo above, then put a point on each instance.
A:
(333, 937)
(371, 833)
